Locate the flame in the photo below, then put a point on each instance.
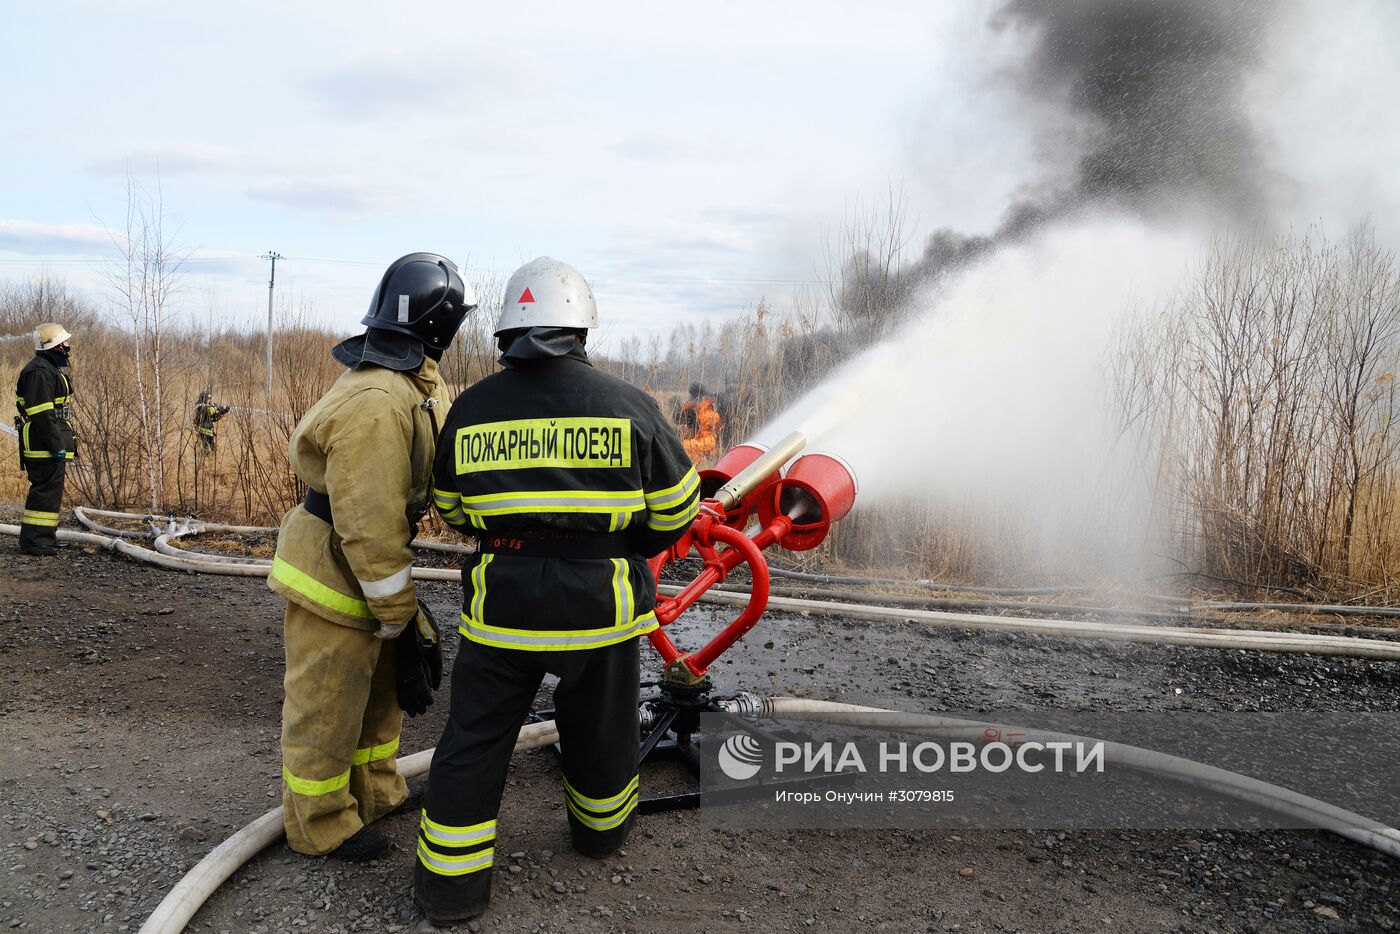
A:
(703, 441)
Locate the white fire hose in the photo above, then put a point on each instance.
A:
(1257, 640)
(190, 893)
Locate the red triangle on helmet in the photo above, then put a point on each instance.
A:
(525, 296)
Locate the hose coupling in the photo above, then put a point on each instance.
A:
(747, 706)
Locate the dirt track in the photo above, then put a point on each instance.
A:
(141, 715)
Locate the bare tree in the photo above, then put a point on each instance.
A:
(145, 280)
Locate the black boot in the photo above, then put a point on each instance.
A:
(414, 801)
(366, 844)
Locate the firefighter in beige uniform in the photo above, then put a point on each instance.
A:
(365, 453)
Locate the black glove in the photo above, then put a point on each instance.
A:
(419, 664)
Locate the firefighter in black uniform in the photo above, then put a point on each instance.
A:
(46, 439)
(206, 413)
(570, 479)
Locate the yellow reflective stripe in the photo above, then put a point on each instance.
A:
(477, 521)
(375, 753)
(36, 409)
(309, 788)
(575, 442)
(658, 501)
(454, 865)
(445, 835)
(317, 592)
(618, 576)
(601, 805)
(478, 604)
(31, 519)
(531, 501)
(444, 499)
(550, 640)
(602, 823)
(676, 521)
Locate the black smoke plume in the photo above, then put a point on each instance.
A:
(1151, 94)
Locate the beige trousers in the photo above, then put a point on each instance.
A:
(340, 732)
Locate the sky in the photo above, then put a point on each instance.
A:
(691, 160)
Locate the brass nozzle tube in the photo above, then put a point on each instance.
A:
(751, 476)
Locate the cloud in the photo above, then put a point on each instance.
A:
(654, 147)
(334, 197)
(20, 236)
(178, 160)
(418, 82)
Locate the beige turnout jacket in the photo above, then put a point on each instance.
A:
(368, 444)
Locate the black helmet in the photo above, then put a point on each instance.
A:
(422, 295)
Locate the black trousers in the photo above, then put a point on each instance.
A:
(39, 522)
(492, 689)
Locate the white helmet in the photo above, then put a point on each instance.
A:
(49, 336)
(547, 293)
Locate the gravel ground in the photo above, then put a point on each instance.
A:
(140, 712)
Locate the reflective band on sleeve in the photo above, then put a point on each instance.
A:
(388, 586)
(602, 823)
(314, 789)
(548, 640)
(317, 592)
(36, 409)
(601, 805)
(671, 522)
(673, 496)
(444, 835)
(532, 501)
(454, 865)
(375, 753)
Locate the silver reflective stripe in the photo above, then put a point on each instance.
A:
(601, 805)
(387, 586)
(440, 834)
(622, 588)
(564, 503)
(688, 486)
(455, 865)
(547, 639)
(603, 823)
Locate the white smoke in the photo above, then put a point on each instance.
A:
(992, 400)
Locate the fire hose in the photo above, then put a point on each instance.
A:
(1259, 640)
(84, 513)
(191, 892)
(795, 509)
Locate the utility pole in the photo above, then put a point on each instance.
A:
(271, 282)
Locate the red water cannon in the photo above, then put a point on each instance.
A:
(795, 511)
(734, 462)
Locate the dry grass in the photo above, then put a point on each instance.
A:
(1261, 404)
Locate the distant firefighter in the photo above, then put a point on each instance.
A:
(42, 395)
(700, 423)
(206, 413)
